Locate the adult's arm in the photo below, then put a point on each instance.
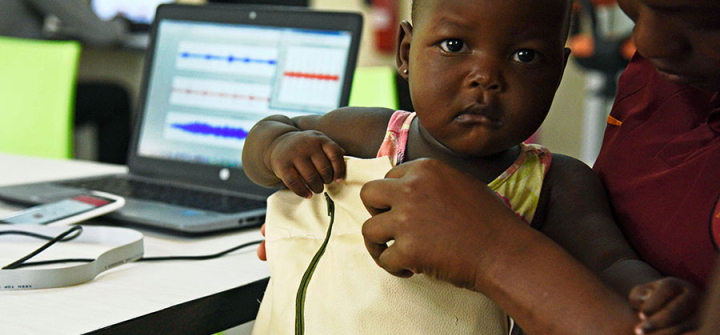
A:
(79, 22)
(451, 226)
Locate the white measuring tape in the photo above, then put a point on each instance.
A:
(125, 245)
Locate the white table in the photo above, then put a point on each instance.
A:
(172, 297)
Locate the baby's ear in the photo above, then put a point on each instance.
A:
(402, 56)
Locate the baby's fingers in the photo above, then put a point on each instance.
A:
(324, 168)
(672, 293)
(261, 253)
(294, 181)
(678, 315)
(310, 172)
(684, 328)
(336, 155)
(638, 295)
(664, 291)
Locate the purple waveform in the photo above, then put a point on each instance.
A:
(207, 129)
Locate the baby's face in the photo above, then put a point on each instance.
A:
(483, 73)
(680, 37)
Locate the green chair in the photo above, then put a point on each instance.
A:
(374, 87)
(37, 95)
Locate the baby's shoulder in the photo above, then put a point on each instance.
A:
(368, 114)
(372, 119)
(346, 117)
(358, 130)
(566, 171)
(569, 185)
(569, 164)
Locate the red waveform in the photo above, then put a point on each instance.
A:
(312, 76)
(219, 94)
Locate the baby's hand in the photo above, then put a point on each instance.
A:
(261, 253)
(665, 306)
(305, 160)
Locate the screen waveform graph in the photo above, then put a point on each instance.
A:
(206, 130)
(202, 128)
(312, 77)
(227, 59)
(220, 94)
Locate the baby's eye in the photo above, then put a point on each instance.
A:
(452, 45)
(525, 56)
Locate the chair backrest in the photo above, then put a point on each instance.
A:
(37, 95)
(374, 87)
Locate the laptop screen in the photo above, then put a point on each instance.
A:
(211, 82)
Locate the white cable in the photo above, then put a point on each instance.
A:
(126, 245)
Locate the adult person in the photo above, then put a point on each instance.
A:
(659, 163)
(102, 104)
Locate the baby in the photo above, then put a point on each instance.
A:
(482, 76)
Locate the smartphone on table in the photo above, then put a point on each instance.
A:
(67, 211)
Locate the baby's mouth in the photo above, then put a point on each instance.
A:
(480, 115)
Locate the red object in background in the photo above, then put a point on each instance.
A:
(384, 15)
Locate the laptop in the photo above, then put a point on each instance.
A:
(301, 3)
(211, 73)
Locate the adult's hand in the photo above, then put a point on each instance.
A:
(451, 226)
(442, 222)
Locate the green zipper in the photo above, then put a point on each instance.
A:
(300, 299)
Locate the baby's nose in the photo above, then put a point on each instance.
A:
(486, 75)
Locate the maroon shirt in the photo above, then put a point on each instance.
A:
(661, 169)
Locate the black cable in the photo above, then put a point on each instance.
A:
(16, 264)
(198, 258)
(39, 236)
(63, 237)
(55, 261)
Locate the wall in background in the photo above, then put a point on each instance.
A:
(560, 132)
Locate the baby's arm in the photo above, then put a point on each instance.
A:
(578, 217)
(307, 151)
(574, 212)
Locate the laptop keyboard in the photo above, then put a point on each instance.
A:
(138, 189)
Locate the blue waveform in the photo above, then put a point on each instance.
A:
(207, 129)
(228, 58)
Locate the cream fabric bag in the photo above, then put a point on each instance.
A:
(348, 293)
